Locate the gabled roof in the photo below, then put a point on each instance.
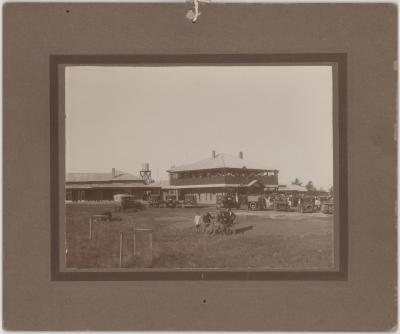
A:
(100, 177)
(221, 160)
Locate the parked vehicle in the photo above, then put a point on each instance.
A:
(155, 201)
(307, 204)
(126, 201)
(171, 201)
(327, 207)
(190, 201)
(281, 204)
(255, 202)
(227, 201)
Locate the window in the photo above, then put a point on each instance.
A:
(81, 195)
(69, 195)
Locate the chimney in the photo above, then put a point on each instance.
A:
(240, 155)
(214, 154)
(113, 172)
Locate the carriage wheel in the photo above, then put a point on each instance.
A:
(253, 206)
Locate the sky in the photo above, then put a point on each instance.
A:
(279, 116)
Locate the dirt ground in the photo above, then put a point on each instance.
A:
(274, 240)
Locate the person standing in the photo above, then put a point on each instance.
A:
(231, 216)
(299, 204)
(197, 221)
(317, 204)
(207, 220)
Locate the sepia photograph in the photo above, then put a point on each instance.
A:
(199, 167)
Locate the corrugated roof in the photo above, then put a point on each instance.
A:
(252, 183)
(111, 185)
(100, 177)
(292, 187)
(161, 183)
(221, 160)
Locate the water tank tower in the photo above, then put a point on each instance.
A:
(145, 173)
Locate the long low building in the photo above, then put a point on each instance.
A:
(219, 174)
(292, 189)
(103, 186)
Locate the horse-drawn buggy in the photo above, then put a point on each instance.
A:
(221, 224)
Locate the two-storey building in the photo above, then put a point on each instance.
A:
(219, 174)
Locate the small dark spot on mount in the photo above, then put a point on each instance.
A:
(204, 301)
(67, 11)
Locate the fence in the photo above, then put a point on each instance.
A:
(136, 248)
(100, 243)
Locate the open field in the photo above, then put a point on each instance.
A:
(277, 240)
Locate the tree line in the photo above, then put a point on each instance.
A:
(310, 186)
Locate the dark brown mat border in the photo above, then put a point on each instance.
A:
(197, 60)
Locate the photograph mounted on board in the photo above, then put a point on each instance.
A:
(199, 167)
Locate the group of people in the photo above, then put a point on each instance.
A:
(296, 201)
(222, 222)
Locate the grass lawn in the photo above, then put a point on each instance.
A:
(277, 240)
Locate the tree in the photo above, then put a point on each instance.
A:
(297, 182)
(310, 186)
